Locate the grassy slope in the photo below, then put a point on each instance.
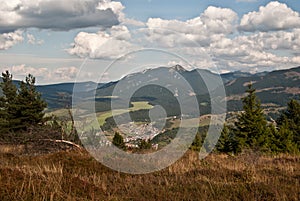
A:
(136, 106)
(102, 116)
(76, 176)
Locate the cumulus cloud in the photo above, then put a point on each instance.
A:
(118, 8)
(57, 14)
(65, 73)
(32, 40)
(260, 51)
(280, 40)
(108, 44)
(7, 40)
(43, 74)
(201, 29)
(211, 33)
(20, 71)
(272, 17)
(272, 39)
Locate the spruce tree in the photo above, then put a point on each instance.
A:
(20, 108)
(286, 138)
(252, 129)
(227, 142)
(8, 102)
(3, 117)
(145, 144)
(118, 141)
(197, 143)
(289, 124)
(31, 105)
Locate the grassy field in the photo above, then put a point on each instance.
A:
(75, 175)
(136, 106)
(102, 116)
(191, 123)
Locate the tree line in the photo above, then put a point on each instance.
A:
(20, 107)
(253, 131)
(22, 114)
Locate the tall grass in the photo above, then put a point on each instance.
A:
(77, 176)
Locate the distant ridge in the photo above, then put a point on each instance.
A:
(273, 88)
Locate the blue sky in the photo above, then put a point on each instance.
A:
(178, 9)
(68, 40)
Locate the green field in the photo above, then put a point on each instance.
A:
(189, 123)
(63, 113)
(136, 106)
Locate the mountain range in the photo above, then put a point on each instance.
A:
(163, 85)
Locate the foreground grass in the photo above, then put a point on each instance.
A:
(77, 176)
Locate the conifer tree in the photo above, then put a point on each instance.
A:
(286, 139)
(31, 105)
(20, 108)
(145, 144)
(197, 143)
(227, 142)
(118, 141)
(252, 128)
(290, 120)
(8, 102)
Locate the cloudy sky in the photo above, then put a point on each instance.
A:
(68, 40)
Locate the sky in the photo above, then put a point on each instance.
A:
(104, 40)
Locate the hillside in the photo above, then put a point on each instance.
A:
(60, 95)
(77, 176)
(273, 88)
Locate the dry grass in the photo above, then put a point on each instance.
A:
(16, 149)
(77, 176)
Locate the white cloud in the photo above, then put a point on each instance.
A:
(32, 40)
(20, 71)
(296, 60)
(118, 8)
(219, 20)
(201, 30)
(273, 41)
(280, 40)
(209, 34)
(272, 17)
(57, 14)
(252, 52)
(43, 74)
(7, 40)
(65, 73)
(109, 44)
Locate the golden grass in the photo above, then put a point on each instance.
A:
(16, 149)
(77, 176)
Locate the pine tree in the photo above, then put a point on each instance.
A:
(8, 102)
(227, 142)
(252, 128)
(3, 117)
(20, 108)
(145, 144)
(118, 141)
(286, 138)
(197, 143)
(290, 120)
(31, 105)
